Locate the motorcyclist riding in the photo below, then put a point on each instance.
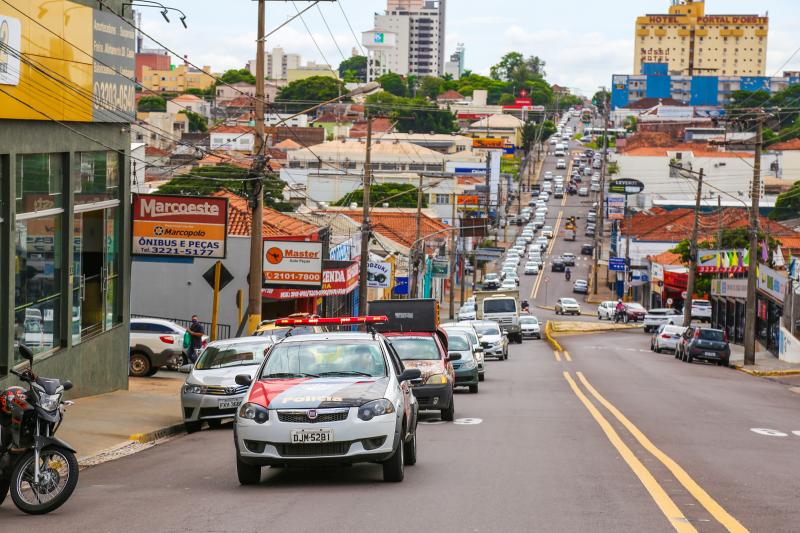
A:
(619, 311)
(525, 306)
(568, 274)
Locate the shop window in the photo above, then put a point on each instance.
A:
(97, 177)
(4, 192)
(39, 182)
(37, 283)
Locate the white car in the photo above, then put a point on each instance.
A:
(154, 343)
(466, 312)
(542, 242)
(659, 317)
(329, 398)
(701, 310)
(561, 164)
(547, 231)
(548, 175)
(605, 311)
(567, 306)
(509, 284)
(469, 330)
(531, 269)
(508, 271)
(530, 327)
(493, 341)
(666, 337)
(583, 191)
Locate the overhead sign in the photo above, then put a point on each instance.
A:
(625, 186)
(440, 268)
(772, 282)
(489, 143)
(335, 282)
(469, 199)
(615, 207)
(722, 261)
(179, 226)
(400, 286)
(616, 264)
(91, 53)
(292, 263)
(379, 275)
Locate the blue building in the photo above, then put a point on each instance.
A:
(655, 81)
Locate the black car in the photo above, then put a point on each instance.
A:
(558, 266)
(587, 249)
(535, 191)
(706, 344)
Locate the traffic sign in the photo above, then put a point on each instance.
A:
(616, 264)
(625, 186)
(225, 277)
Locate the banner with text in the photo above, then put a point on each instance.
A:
(292, 264)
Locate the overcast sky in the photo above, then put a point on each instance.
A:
(582, 41)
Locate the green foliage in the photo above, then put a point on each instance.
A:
(236, 76)
(152, 104)
(197, 122)
(431, 87)
(531, 132)
(600, 98)
(202, 93)
(354, 69)
(394, 84)
(510, 166)
(394, 194)
(788, 204)
(518, 70)
(506, 99)
(566, 101)
(631, 123)
(414, 114)
(613, 168)
(314, 89)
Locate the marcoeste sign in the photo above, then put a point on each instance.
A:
(292, 264)
(179, 226)
(65, 61)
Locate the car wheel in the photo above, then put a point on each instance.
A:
(393, 470)
(139, 365)
(473, 389)
(449, 414)
(481, 377)
(152, 371)
(248, 474)
(410, 450)
(193, 427)
(214, 423)
(725, 362)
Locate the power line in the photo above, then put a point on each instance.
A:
(358, 41)
(333, 38)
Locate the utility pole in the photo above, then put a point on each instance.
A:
(627, 248)
(719, 227)
(257, 219)
(750, 310)
(453, 259)
(598, 236)
(415, 253)
(461, 268)
(687, 304)
(365, 224)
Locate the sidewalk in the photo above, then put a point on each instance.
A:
(150, 409)
(603, 292)
(766, 364)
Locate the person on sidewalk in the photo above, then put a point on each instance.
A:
(196, 331)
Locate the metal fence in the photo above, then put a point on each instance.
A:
(223, 330)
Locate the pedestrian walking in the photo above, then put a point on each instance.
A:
(196, 342)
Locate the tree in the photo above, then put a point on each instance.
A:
(202, 93)
(152, 104)
(565, 101)
(197, 122)
(516, 69)
(788, 204)
(394, 194)
(631, 123)
(235, 76)
(414, 114)
(600, 98)
(315, 89)
(507, 99)
(431, 87)
(533, 132)
(354, 68)
(393, 83)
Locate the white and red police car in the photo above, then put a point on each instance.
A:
(327, 399)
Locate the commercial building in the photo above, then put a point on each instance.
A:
(691, 42)
(656, 82)
(176, 80)
(155, 59)
(64, 189)
(277, 64)
(501, 126)
(310, 70)
(455, 66)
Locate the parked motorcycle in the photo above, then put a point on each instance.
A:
(39, 470)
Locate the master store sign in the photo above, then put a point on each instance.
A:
(179, 226)
(292, 264)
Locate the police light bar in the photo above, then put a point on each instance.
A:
(341, 321)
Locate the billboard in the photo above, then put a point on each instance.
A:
(292, 264)
(179, 226)
(379, 275)
(77, 63)
(469, 199)
(722, 261)
(379, 39)
(489, 143)
(616, 207)
(337, 281)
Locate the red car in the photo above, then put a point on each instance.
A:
(634, 313)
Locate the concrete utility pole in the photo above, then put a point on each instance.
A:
(365, 224)
(453, 260)
(750, 310)
(257, 220)
(415, 254)
(598, 235)
(687, 304)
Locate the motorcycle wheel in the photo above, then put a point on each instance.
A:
(59, 477)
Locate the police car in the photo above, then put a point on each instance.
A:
(328, 399)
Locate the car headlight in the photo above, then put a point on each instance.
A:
(194, 389)
(253, 411)
(436, 379)
(49, 402)
(469, 365)
(370, 410)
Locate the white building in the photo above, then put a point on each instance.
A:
(277, 64)
(189, 102)
(236, 138)
(273, 119)
(455, 66)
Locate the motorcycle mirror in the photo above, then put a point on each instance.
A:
(26, 353)
(67, 384)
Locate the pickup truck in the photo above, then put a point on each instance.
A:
(502, 307)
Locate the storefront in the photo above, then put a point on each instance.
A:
(675, 284)
(728, 304)
(769, 307)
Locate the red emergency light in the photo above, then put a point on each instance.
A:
(341, 321)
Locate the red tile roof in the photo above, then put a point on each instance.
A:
(793, 144)
(699, 150)
(379, 125)
(239, 101)
(155, 152)
(276, 224)
(450, 95)
(400, 226)
(666, 258)
(233, 129)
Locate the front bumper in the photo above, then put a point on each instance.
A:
(355, 441)
(198, 407)
(571, 310)
(433, 397)
(493, 351)
(531, 334)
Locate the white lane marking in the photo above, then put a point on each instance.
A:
(467, 421)
(769, 432)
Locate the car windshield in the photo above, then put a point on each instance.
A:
(506, 305)
(528, 320)
(468, 307)
(315, 359)
(487, 329)
(416, 348)
(570, 301)
(701, 303)
(280, 333)
(228, 355)
(457, 343)
(712, 335)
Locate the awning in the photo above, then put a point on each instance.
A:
(335, 282)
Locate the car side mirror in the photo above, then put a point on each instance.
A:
(67, 384)
(185, 369)
(453, 357)
(244, 379)
(410, 374)
(479, 349)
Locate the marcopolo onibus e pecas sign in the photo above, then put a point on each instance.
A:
(179, 226)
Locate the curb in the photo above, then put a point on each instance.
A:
(766, 373)
(547, 333)
(158, 434)
(551, 308)
(604, 329)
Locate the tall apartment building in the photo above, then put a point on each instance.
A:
(408, 38)
(455, 67)
(693, 43)
(277, 64)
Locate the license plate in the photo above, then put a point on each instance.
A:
(311, 436)
(229, 404)
(710, 354)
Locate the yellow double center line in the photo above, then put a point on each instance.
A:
(667, 506)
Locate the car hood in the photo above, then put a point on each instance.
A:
(428, 368)
(530, 326)
(491, 339)
(317, 393)
(220, 376)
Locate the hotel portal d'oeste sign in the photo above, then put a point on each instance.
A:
(179, 226)
(292, 264)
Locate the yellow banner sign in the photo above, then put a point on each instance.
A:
(489, 143)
